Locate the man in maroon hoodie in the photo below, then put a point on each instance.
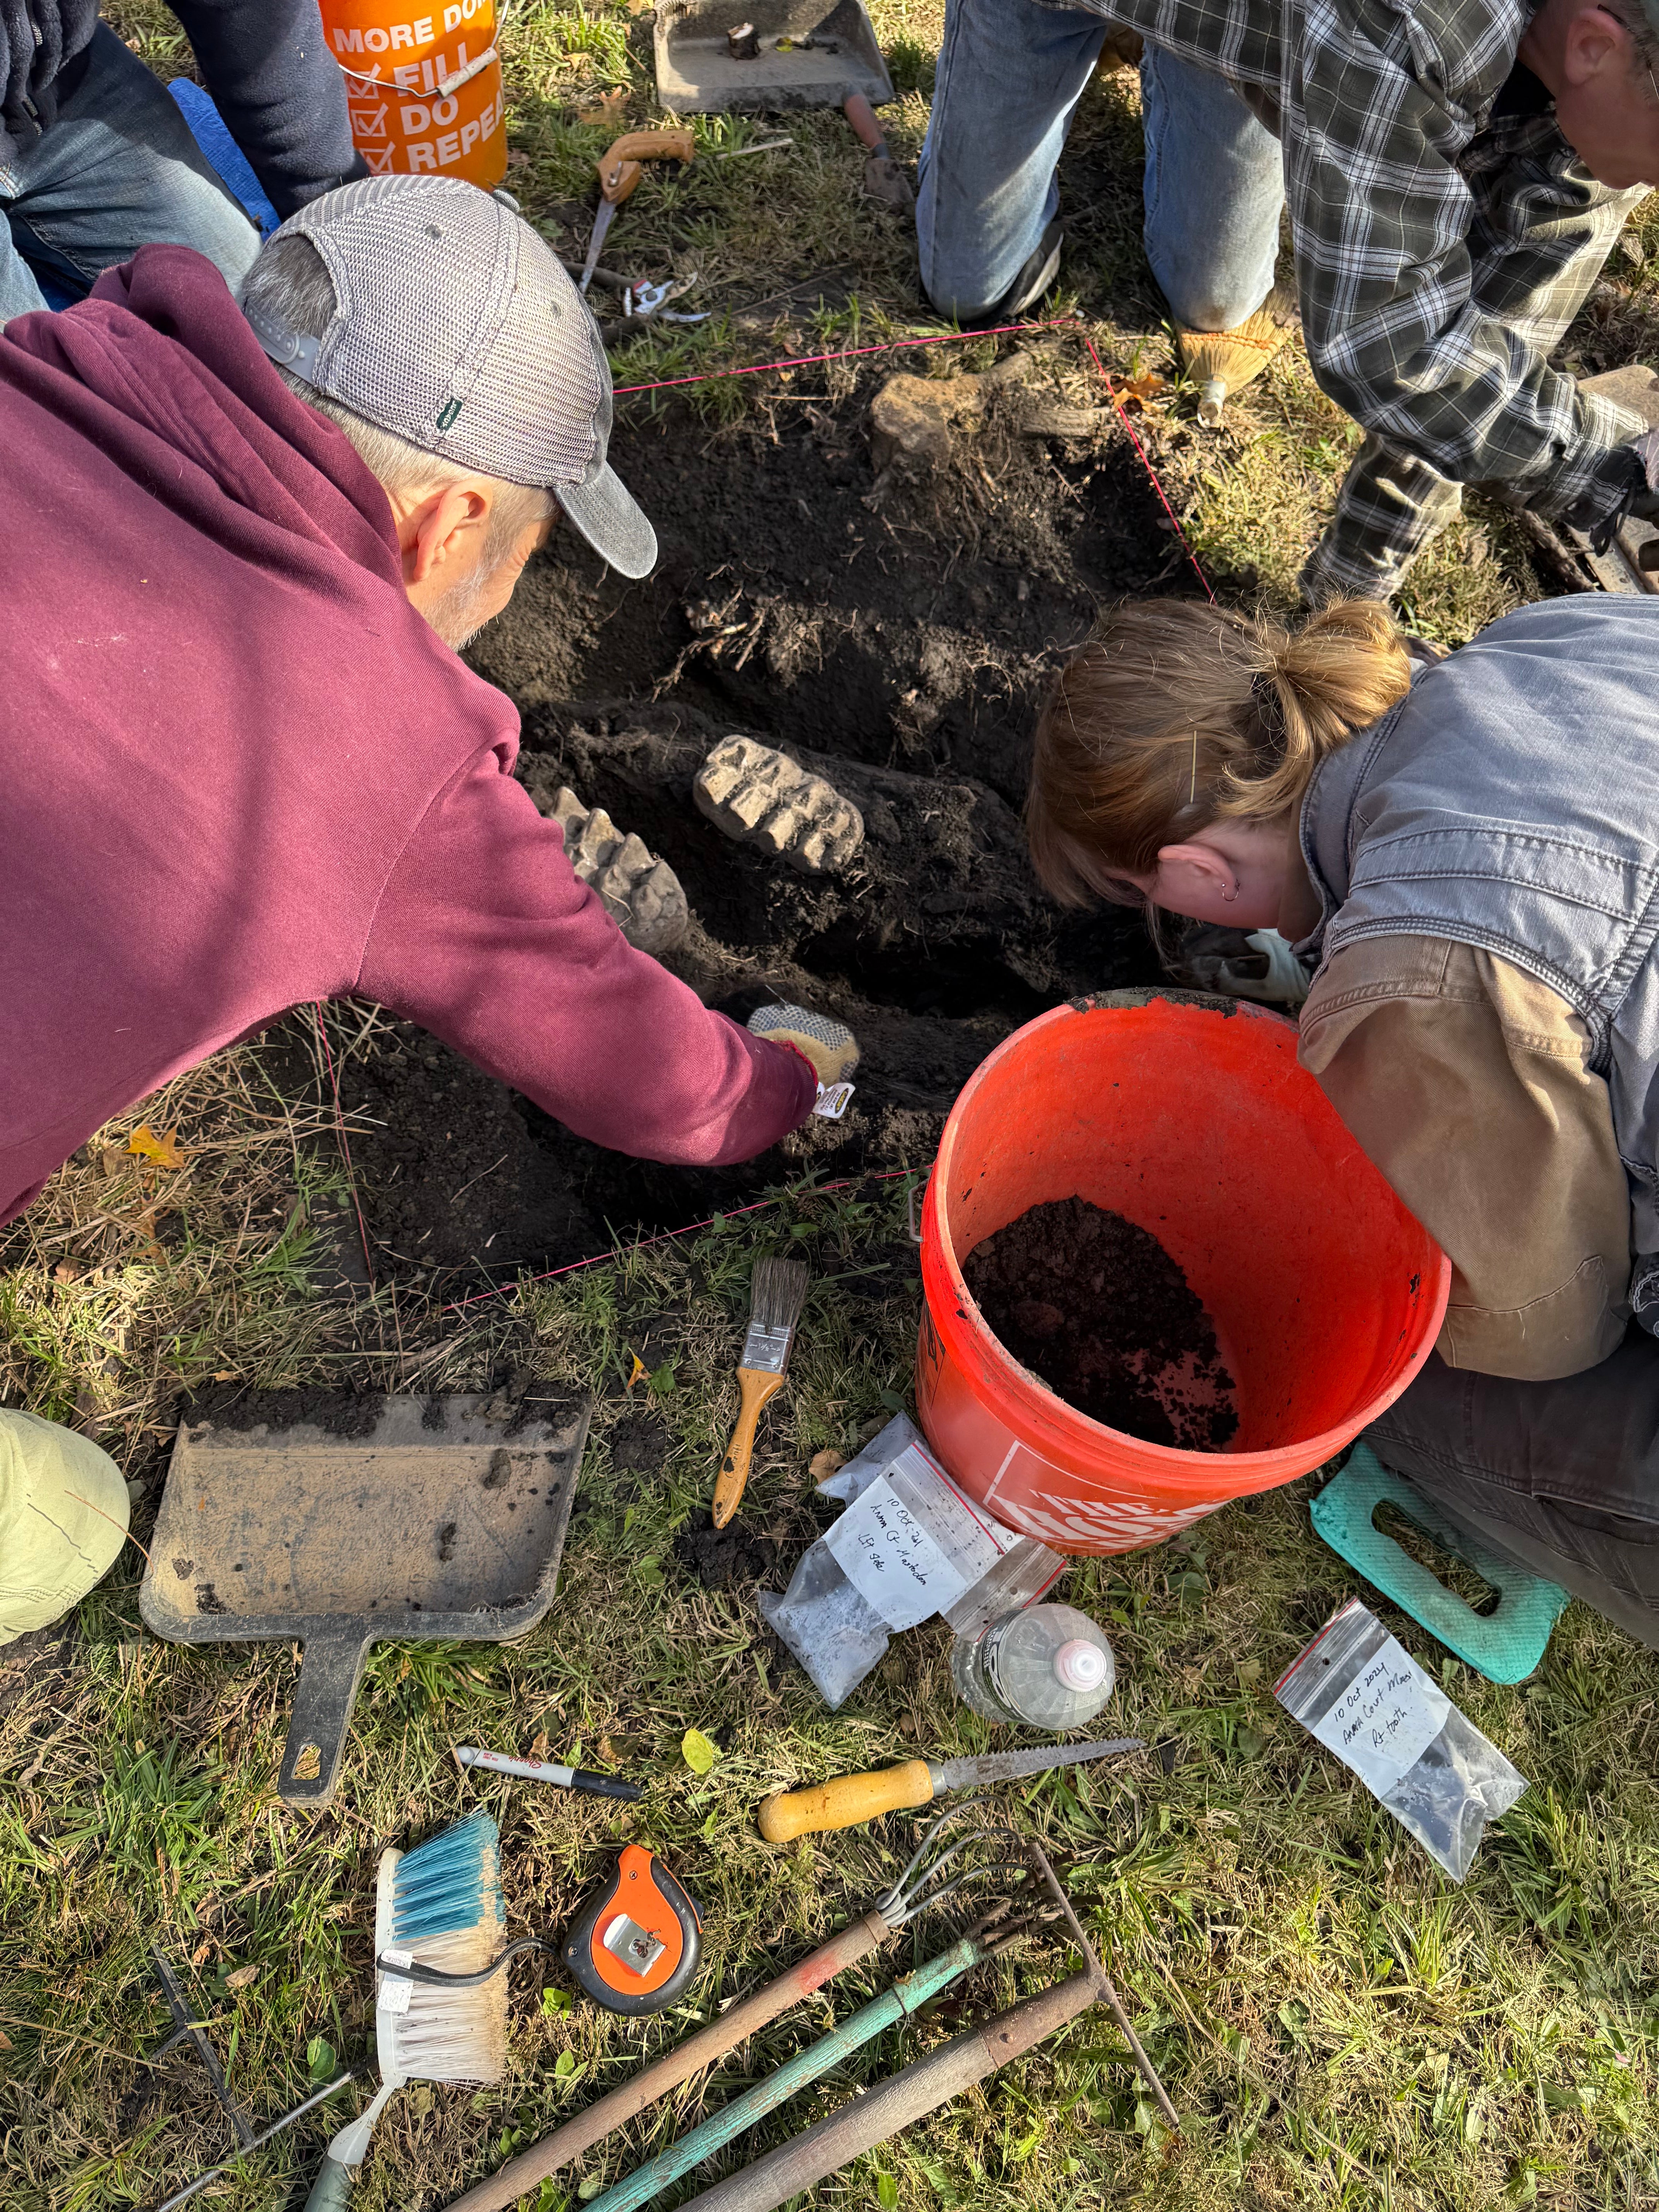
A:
(246, 768)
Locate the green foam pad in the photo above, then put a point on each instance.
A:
(1505, 1645)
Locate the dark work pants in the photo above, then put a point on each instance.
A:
(1563, 1476)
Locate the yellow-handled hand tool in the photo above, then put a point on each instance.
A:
(776, 1292)
(620, 168)
(853, 1798)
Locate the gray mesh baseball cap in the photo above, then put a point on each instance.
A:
(456, 328)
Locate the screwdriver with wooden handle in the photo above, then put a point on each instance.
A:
(620, 170)
(852, 1798)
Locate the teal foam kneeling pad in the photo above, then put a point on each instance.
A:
(1504, 1645)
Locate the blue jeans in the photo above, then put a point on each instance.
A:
(1011, 73)
(117, 170)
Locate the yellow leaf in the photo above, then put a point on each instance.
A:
(165, 1151)
(640, 1372)
(698, 1751)
(609, 108)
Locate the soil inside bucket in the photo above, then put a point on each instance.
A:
(1097, 1309)
(894, 634)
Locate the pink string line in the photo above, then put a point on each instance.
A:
(711, 376)
(851, 353)
(346, 1143)
(1145, 464)
(884, 1174)
(959, 337)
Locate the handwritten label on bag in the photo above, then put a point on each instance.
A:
(1385, 1719)
(881, 1545)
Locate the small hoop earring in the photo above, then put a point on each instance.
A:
(1228, 896)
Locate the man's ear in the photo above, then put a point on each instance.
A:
(445, 527)
(1596, 41)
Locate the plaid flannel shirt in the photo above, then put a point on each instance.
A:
(1441, 251)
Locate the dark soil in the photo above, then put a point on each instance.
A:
(1096, 1309)
(722, 1558)
(338, 1412)
(894, 637)
(639, 1445)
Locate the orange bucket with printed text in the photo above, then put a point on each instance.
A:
(1191, 1117)
(423, 86)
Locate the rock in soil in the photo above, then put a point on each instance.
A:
(1098, 1310)
(894, 643)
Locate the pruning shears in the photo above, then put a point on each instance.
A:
(620, 169)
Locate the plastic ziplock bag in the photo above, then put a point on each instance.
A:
(910, 1545)
(1364, 1697)
(856, 1475)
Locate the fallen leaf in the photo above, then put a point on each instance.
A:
(199, 1954)
(639, 1373)
(243, 1979)
(823, 1465)
(66, 1272)
(539, 1748)
(698, 1751)
(5, 2041)
(163, 1152)
(609, 108)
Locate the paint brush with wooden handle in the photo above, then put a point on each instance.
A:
(775, 1297)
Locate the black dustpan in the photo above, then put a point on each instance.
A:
(361, 1520)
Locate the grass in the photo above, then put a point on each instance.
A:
(1338, 2026)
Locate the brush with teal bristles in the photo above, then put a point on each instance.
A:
(439, 1995)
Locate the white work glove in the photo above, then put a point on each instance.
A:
(830, 1046)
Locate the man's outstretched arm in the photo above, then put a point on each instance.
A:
(485, 936)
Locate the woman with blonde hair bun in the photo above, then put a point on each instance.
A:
(1468, 850)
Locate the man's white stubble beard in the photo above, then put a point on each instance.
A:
(454, 614)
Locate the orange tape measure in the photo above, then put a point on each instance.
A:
(636, 1944)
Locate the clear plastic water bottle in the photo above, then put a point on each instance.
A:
(1049, 1667)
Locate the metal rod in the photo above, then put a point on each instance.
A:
(1113, 2003)
(187, 2030)
(270, 2135)
(531, 2167)
(919, 2088)
(904, 1997)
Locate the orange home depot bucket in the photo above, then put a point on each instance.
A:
(1191, 1117)
(397, 59)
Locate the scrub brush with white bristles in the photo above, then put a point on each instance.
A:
(439, 1995)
